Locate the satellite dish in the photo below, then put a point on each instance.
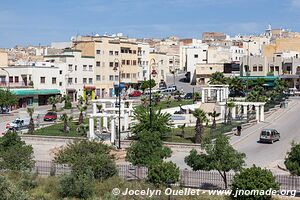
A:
(72, 38)
(97, 35)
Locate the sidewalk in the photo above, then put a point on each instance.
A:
(269, 119)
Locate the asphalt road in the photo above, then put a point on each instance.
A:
(287, 124)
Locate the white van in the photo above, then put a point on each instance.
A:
(18, 124)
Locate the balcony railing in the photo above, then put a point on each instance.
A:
(13, 85)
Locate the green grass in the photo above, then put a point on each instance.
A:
(174, 103)
(57, 130)
(189, 136)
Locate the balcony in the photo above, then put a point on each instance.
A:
(5, 84)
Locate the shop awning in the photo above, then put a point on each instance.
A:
(34, 92)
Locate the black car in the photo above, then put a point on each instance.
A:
(188, 95)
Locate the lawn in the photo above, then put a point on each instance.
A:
(174, 103)
(57, 130)
(189, 135)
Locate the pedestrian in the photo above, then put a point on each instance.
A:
(239, 130)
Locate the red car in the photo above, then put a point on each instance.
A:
(50, 116)
(135, 93)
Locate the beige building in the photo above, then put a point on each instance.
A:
(3, 59)
(110, 53)
(161, 61)
(205, 70)
(282, 45)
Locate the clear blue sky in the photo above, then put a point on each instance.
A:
(26, 22)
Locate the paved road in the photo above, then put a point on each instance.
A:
(286, 121)
(181, 85)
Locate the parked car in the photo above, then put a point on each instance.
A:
(269, 136)
(18, 124)
(135, 93)
(188, 95)
(50, 116)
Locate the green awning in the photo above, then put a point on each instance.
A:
(34, 92)
(267, 78)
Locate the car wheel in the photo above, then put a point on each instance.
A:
(272, 141)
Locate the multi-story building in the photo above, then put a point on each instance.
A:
(3, 59)
(158, 62)
(143, 60)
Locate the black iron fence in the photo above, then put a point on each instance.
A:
(188, 178)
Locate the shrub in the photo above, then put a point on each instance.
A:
(292, 161)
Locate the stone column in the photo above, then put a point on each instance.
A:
(257, 113)
(245, 111)
(126, 121)
(262, 113)
(218, 95)
(105, 122)
(222, 111)
(203, 95)
(209, 93)
(233, 111)
(112, 130)
(98, 125)
(91, 135)
(94, 108)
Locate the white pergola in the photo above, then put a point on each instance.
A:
(221, 92)
(109, 112)
(244, 106)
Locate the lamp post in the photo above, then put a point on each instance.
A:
(248, 67)
(151, 73)
(7, 77)
(119, 93)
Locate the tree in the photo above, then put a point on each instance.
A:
(10, 191)
(156, 97)
(67, 102)
(196, 96)
(81, 109)
(163, 173)
(254, 178)
(99, 107)
(83, 129)
(144, 101)
(214, 115)
(30, 112)
(217, 78)
(53, 101)
(230, 105)
(201, 118)
(146, 84)
(80, 100)
(292, 161)
(236, 84)
(66, 119)
(14, 153)
(7, 99)
(220, 156)
(148, 150)
(182, 127)
(168, 100)
(88, 156)
(161, 122)
(280, 86)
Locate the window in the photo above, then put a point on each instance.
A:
(277, 68)
(127, 62)
(60, 83)
(196, 56)
(205, 60)
(111, 64)
(84, 80)
(116, 53)
(123, 62)
(43, 79)
(70, 81)
(134, 62)
(127, 75)
(75, 67)
(254, 68)
(75, 81)
(116, 64)
(16, 79)
(260, 68)
(123, 75)
(111, 53)
(204, 50)
(111, 77)
(90, 67)
(116, 77)
(90, 80)
(70, 67)
(98, 51)
(98, 63)
(98, 78)
(53, 80)
(272, 68)
(134, 51)
(60, 71)
(84, 67)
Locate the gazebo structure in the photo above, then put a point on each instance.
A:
(107, 118)
(242, 108)
(218, 92)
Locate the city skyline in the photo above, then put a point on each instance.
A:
(34, 22)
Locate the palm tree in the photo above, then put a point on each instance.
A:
(67, 101)
(80, 100)
(168, 100)
(30, 111)
(217, 78)
(196, 96)
(201, 118)
(81, 109)
(214, 115)
(230, 105)
(99, 107)
(53, 101)
(82, 129)
(144, 101)
(236, 84)
(66, 119)
(156, 97)
(182, 127)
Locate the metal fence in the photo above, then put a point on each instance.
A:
(188, 178)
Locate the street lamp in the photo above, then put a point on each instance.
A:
(151, 73)
(117, 68)
(7, 77)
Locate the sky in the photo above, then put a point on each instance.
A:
(34, 22)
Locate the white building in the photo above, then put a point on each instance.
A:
(143, 60)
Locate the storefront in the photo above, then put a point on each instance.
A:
(89, 92)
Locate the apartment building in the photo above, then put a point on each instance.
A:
(78, 73)
(3, 59)
(205, 70)
(111, 55)
(159, 65)
(143, 60)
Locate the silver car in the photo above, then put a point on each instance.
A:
(269, 136)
